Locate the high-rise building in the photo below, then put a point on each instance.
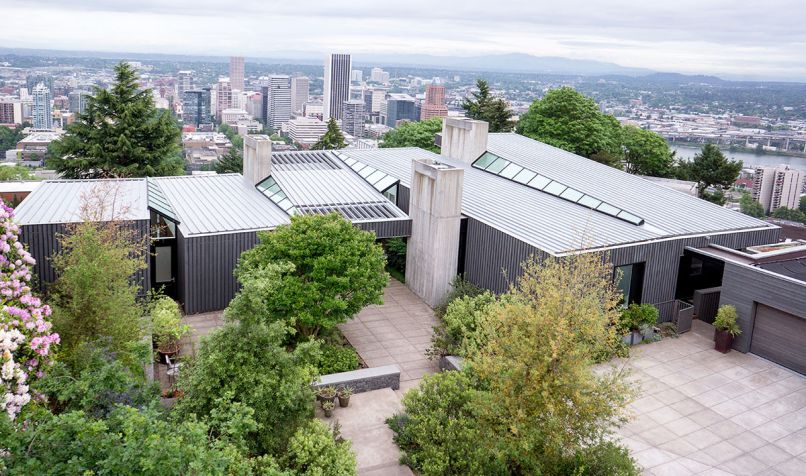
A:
(196, 107)
(42, 113)
(10, 111)
(356, 76)
(306, 130)
(184, 82)
(434, 104)
(236, 72)
(39, 78)
(223, 97)
(776, 187)
(300, 89)
(398, 107)
(378, 75)
(279, 101)
(78, 101)
(352, 120)
(337, 84)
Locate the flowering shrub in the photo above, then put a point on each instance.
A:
(25, 336)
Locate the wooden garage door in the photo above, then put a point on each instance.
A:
(780, 337)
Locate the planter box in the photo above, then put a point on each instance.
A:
(723, 341)
(633, 338)
(363, 380)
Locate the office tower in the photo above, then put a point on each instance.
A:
(357, 76)
(313, 109)
(776, 187)
(377, 75)
(300, 88)
(279, 101)
(184, 82)
(43, 116)
(398, 107)
(306, 131)
(236, 72)
(434, 104)
(78, 101)
(223, 97)
(337, 84)
(196, 107)
(10, 111)
(352, 120)
(35, 79)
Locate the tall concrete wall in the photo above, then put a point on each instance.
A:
(464, 139)
(435, 207)
(256, 158)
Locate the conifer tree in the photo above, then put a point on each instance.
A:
(333, 138)
(485, 107)
(120, 134)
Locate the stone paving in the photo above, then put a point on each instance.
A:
(703, 412)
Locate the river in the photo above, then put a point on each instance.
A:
(748, 158)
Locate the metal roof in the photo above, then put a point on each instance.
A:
(158, 202)
(209, 204)
(557, 225)
(61, 201)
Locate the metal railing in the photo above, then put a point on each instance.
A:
(676, 311)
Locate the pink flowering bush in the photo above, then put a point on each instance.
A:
(26, 339)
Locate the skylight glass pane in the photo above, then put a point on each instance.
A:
(625, 215)
(555, 188)
(510, 171)
(498, 165)
(524, 176)
(272, 189)
(366, 172)
(609, 209)
(285, 204)
(539, 182)
(358, 166)
(485, 160)
(571, 194)
(589, 201)
(279, 196)
(385, 183)
(375, 176)
(349, 161)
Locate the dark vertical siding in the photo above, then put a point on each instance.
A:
(206, 267)
(403, 195)
(744, 286)
(387, 229)
(181, 268)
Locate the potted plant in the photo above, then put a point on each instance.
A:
(167, 327)
(725, 328)
(638, 323)
(328, 407)
(326, 394)
(344, 396)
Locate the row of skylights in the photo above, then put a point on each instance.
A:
(509, 170)
(380, 180)
(271, 189)
(354, 211)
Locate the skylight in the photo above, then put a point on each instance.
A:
(380, 180)
(271, 189)
(508, 170)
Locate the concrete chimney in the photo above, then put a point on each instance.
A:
(435, 208)
(256, 158)
(464, 139)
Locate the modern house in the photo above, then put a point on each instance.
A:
(480, 208)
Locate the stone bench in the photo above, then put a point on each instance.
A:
(363, 380)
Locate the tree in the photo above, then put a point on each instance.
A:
(646, 153)
(315, 450)
(414, 134)
(231, 162)
(483, 106)
(9, 137)
(571, 121)
(751, 207)
(120, 134)
(802, 204)
(784, 213)
(232, 135)
(16, 172)
(710, 168)
(333, 138)
(313, 274)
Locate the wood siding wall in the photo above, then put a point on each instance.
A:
(403, 195)
(387, 229)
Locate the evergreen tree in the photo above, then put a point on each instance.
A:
(231, 162)
(120, 134)
(333, 138)
(485, 107)
(710, 168)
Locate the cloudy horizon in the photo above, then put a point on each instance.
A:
(720, 37)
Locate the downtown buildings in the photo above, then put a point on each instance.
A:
(277, 101)
(236, 73)
(300, 91)
(223, 97)
(196, 107)
(398, 107)
(776, 187)
(352, 121)
(434, 104)
(338, 68)
(42, 112)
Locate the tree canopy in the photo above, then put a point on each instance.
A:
(646, 153)
(710, 168)
(751, 207)
(414, 134)
(483, 106)
(9, 137)
(120, 134)
(231, 162)
(333, 138)
(802, 204)
(790, 214)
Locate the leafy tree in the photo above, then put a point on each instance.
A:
(231, 162)
(316, 450)
(16, 173)
(569, 120)
(313, 274)
(646, 153)
(232, 135)
(457, 334)
(9, 137)
(414, 134)
(333, 138)
(486, 107)
(710, 168)
(802, 204)
(748, 206)
(790, 214)
(120, 134)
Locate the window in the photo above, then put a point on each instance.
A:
(485, 160)
(161, 227)
(629, 279)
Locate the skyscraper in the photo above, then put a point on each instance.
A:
(434, 105)
(223, 97)
(43, 115)
(337, 84)
(357, 76)
(196, 107)
(398, 107)
(279, 102)
(300, 88)
(35, 79)
(776, 187)
(236, 72)
(184, 82)
(352, 121)
(78, 101)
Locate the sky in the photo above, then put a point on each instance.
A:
(738, 38)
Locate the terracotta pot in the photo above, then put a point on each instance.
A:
(328, 413)
(344, 402)
(169, 350)
(722, 341)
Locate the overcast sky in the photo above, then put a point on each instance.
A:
(725, 37)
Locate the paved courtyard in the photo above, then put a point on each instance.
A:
(702, 412)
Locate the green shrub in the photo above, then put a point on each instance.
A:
(603, 459)
(458, 333)
(166, 322)
(726, 320)
(459, 288)
(337, 358)
(637, 316)
(316, 450)
(395, 249)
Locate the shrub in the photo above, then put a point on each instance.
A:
(457, 335)
(316, 450)
(460, 287)
(395, 249)
(637, 316)
(726, 320)
(336, 358)
(166, 322)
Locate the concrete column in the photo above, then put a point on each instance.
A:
(435, 208)
(464, 139)
(256, 158)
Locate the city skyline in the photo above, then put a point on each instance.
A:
(749, 39)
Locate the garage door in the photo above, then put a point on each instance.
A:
(780, 337)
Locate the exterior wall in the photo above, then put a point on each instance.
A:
(403, 194)
(744, 286)
(387, 229)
